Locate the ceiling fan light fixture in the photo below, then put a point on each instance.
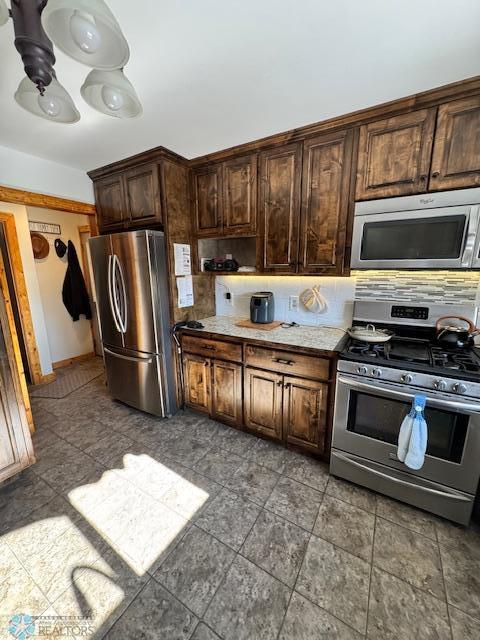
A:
(4, 13)
(87, 31)
(55, 104)
(111, 93)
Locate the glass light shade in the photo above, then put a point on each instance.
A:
(4, 15)
(110, 92)
(87, 31)
(55, 105)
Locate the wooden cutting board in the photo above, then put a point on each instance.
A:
(257, 325)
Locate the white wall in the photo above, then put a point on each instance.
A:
(339, 292)
(31, 282)
(66, 338)
(30, 173)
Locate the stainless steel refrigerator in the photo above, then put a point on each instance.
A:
(130, 273)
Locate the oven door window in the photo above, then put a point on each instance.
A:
(380, 418)
(438, 237)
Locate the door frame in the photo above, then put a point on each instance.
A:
(11, 237)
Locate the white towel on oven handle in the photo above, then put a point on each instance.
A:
(413, 436)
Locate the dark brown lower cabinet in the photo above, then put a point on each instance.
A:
(263, 402)
(227, 403)
(305, 412)
(197, 382)
(286, 408)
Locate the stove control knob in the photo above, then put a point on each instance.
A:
(363, 370)
(441, 385)
(407, 378)
(459, 387)
(377, 373)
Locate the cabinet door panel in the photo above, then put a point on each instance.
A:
(325, 202)
(197, 381)
(240, 196)
(208, 200)
(279, 207)
(394, 155)
(456, 151)
(109, 198)
(263, 402)
(227, 392)
(305, 412)
(142, 195)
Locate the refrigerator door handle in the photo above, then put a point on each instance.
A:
(111, 293)
(147, 360)
(123, 311)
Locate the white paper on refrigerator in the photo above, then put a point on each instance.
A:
(185, 291)
(183, 263)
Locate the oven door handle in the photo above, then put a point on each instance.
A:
(404, 483)
(456, 405)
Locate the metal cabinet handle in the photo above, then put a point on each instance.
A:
(211, 347)
(286, 385)
(279, 383)
(283, 361)
(423, 178)
(435, 174)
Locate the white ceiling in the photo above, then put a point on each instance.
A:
(215, 73)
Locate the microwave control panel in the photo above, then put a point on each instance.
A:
(411, 313)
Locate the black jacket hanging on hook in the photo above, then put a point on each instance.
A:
(74, 292)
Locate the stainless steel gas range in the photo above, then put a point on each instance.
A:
(375, 389)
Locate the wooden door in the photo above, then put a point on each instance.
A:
(456, 150)
(279, 207)
(227, 392)
(142, 195)
(110, 202)
(197, 382)
(16, 452)
(394, 155)
(207, 190)
(305, 412)
(240, 196)
(326, 181)
(263, 393)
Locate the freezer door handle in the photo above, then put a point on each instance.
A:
(111, 293)
(443, 494)
(122, 356)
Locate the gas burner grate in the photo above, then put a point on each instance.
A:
(455, 360)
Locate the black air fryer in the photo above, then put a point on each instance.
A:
(262, 307)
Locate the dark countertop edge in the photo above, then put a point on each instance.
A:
(277, 345)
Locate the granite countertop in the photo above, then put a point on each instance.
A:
(324, 338)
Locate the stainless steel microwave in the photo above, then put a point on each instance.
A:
(429, 231)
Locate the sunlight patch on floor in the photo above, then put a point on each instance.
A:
(140, 509)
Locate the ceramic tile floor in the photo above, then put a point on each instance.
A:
(133, 527)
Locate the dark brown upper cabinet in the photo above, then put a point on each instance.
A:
(129, 199)
(142, 195)
(240, 196)
(207, 192)
(456, 151)
(326, 197)
(110, 202)
(394, 155)
(279, 194)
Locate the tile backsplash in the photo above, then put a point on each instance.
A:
(339, 293)
(447, 287)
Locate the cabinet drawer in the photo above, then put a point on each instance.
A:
(213, 348)
(287, 362)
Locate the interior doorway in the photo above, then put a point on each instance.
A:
(85, 233)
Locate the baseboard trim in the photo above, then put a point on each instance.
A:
(65, 363)
(49, 377)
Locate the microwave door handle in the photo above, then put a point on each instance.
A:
(111, 293)
(455, 405)
(444, 494)
(471, 236)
